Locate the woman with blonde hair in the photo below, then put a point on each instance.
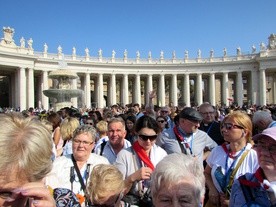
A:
(229, 161)
(67, 128)
(106, 186)
(25, 154)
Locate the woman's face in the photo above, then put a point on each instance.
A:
(161, 123)
(178, 194)
(129, 124)
(82, 146)
(266, 149)
(231, 130)
(147, 138)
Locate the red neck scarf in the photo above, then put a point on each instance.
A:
(142, 154)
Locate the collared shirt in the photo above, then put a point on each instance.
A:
(198, 140)
(272, 124)
(108, 151)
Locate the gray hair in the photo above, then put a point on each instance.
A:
(175, 167)
(86, 129)
(25, 147)
(264, 116)
(117, 120)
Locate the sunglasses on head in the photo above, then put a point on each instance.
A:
(230, 126)
(146, 137)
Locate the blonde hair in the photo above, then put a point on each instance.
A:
(25, 147)
(68, 126)
(101, 127)
(105, 179)
(243, 120)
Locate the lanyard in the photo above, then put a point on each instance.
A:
(230, 169)
(183, 140)
(210, 128)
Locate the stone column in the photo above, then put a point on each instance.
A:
(100, 91)
(262, 87)
(87, 90)
(74, 100)
(239, 88)
(22, 89)
(137, 91)
(225, 89)
(148, 88)
(30, 87)
(45, 99)
(113, 89)
(15, 90)
(161, 91)
(254, 85)
(212, 89)
(273, 88)
(124, 91)
(186, 90)
(199, 89)
(174, 91)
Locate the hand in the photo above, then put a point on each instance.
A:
(152, 94)
(37, 194)
(143, 173)
(223, 200)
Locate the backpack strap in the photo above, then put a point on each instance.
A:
(246, 190)
(102, 147)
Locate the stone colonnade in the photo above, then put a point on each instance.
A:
(218, 88)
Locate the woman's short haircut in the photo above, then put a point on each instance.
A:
(68, 126)
(176, 167)
(105, 180)
(85, 129)
(146, 122)
(25, 147)
(101, 127)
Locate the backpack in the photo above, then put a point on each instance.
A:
(249, 196)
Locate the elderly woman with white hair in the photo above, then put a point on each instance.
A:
(178, 180)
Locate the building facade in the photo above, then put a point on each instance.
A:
(243, 78)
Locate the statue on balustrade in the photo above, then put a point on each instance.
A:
(100, 53)
(125, 54)
(238, 51)
(253, 49)
(161, 54)
(199, 53)
(262, 47)
(211, 53)
(74, 51)
(45, 48)
(149, 55)
(22, 42)
(224, 52)
(59, 50)
(30, 43)
(137, 54)
(186, 54)
(86, 52)
(173, 55)
(113, 54)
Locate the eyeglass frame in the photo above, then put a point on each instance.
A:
(230, 126)
(85, 143)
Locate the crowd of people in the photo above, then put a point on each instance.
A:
(135, 156)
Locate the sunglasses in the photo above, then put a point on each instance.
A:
(146, 137)
(229, 126)
(161, 121)
(164, 111)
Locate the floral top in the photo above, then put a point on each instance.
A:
(65, 198)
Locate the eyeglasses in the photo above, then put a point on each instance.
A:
(89, 123)
(164, 111)
(208, 113)
(85, 143)
(161, 121)
(230, 126)
(266, 145)
(146, 137)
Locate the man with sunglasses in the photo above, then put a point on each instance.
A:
(186, 137)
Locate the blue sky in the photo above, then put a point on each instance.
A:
(144, 25)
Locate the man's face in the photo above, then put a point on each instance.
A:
(116, 133)
(188, 126)
(208, 114)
